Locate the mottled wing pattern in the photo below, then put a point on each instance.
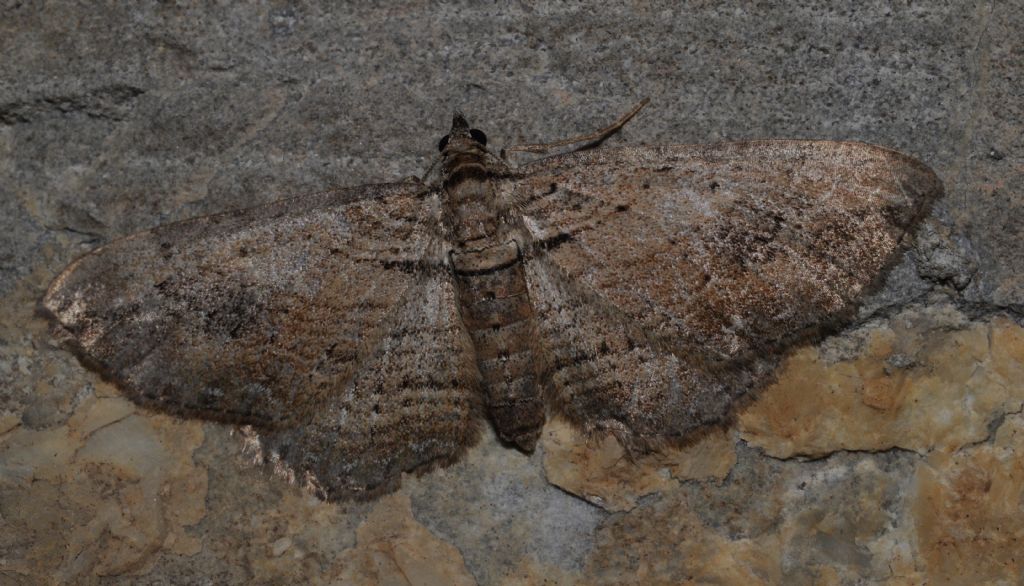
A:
(605, 373)
(412, 403)
(269, 316)
(707, 258)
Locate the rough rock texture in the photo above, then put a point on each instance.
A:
(926, 379)
(888, 453)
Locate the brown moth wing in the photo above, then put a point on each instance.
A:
(721, 255)
(264, 316)
(413, 403)
(606, 374)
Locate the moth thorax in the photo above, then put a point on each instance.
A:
(471, 208)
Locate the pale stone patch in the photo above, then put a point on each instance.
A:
(967, 509)
(599, 470)
(125, 487)
(925, 381)
(393, 548)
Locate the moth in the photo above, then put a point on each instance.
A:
(368, 331)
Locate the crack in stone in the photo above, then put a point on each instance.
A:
(800, 458)
(109, 102)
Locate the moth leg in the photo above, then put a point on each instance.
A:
(592, 139)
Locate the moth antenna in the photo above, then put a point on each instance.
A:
(595, 138)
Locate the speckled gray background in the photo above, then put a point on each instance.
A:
(114, 120)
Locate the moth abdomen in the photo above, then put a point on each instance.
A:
(495, 307)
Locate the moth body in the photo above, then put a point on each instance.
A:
(490, 281)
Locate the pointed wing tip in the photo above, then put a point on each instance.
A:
(919, 180)
(54, 299)
(81, 271)
(49, 304)
(935, 187)
(910, 175)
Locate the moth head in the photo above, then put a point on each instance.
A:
(462, 137)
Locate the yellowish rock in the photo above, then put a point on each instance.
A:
(771, 523)
(100, 413)
(634, 550)
(531, 573)
(394, 549)
(967, 510)
(599, 470)
(100, 494)
(928, 380)
(711, 456)
(8, 421)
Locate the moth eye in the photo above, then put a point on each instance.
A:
(478, 136)
(443, 143)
